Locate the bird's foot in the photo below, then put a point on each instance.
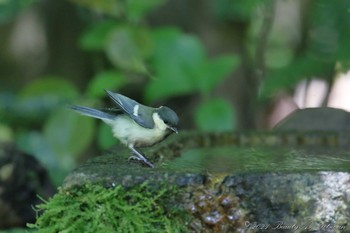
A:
(142, 159)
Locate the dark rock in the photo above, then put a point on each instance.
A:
(22, 178)
(293, 199)
(316, 119)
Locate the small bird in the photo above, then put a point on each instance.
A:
(134, 124)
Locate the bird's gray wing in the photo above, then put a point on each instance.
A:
(113, 111)
(141, 114)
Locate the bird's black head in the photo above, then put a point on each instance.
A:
(169, 117)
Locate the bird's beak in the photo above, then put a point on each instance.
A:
(173, 129)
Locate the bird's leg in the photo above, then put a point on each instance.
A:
(140, 157)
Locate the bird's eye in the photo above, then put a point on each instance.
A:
(166, 122)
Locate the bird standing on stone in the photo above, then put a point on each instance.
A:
(134, 124)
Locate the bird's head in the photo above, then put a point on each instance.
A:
(168, 117)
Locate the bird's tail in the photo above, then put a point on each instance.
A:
(91, 112)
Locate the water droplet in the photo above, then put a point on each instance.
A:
(212, 218)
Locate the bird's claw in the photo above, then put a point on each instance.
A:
(134, 157)
(140, 157)
(144, 160)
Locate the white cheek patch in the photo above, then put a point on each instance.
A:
(136, 110)
(159, 122)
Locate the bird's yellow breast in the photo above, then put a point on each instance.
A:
(132, 134)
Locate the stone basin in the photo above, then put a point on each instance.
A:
(197, 154)
(242, 182)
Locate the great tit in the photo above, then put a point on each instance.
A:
(134, 124)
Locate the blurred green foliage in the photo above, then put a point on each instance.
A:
(182, 67)
(173, 63)
(9, 8)
(130, 10)
(325, 48)
(112, 79)
(239, 10)
(215, 115)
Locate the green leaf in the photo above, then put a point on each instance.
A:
(69, 133)
(279, 56)
(42, 96)
(6, 133)
(238, 10)
(111, 80)
(215, 115)
(181, 66)
(105, 137)
(10, 8)
(127, 48)
(302, 68)
(49, 87)
(95, 37)
(213, 71)
(36, 144)
(161, 88)
(137, 9)
(108, 7)
(176, 60)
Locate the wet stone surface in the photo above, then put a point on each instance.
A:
(243, 182)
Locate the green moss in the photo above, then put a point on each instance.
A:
(93, 208)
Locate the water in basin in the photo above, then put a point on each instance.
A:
(261, 159)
